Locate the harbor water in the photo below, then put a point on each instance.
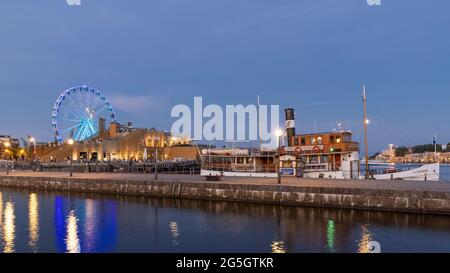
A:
(33, 221)
(445, 173)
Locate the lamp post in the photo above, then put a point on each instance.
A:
(7, 145)
(156, 163)
(33, 140)
(71, 142)
(278, 133)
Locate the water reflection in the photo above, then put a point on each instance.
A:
(331, 235)
(364, 242)
(55, 222)
(1, 214)
(175, 233)
(9, 228)
(59, 221)
(278, 247)
(72, 240)
(89, 225)
(33, 221)
(96, 223)
(105, 225)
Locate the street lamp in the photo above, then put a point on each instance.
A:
(7, 145)
(278, 133)
(156, 163)
(33, 140)
(71, 142)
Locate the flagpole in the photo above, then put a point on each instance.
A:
(259, 124)
(435, 148)
(366, 148)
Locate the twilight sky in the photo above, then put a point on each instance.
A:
(313, 55)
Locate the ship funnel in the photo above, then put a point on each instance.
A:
(290, 125)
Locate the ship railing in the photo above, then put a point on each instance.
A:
(237, 168)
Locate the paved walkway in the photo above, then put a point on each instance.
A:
(290, 181)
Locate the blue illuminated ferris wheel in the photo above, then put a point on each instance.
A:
(77, 111)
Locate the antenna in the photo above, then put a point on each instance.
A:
(339, 126)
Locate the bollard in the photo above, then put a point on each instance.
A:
(392, 177)
(7, 170)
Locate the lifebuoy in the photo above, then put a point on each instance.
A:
(298, 151)
(316, 149)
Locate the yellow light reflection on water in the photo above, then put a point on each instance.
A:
(1, 213)
(33, 221)
(364, 242)
(278, 247)
(9, 228)
(72, 240)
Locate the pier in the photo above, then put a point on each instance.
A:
(397, 196)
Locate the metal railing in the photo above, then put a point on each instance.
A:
(239, 168)
(168, 167)
(7, 165)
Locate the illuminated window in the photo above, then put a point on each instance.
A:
(319, 141)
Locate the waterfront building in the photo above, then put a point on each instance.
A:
(387, 154)
(121, 143)
(10, 148)
(426, 157)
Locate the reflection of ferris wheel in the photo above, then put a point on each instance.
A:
(77, 111)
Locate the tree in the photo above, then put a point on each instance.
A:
(374, 156)
(401, 151)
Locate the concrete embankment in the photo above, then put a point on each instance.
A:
(423, 197)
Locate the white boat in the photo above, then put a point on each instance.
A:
(429, 172)
(238, 162)
(328, 155)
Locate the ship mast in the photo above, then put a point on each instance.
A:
(259, 125)
(366, 148)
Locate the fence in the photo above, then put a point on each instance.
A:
(180, 167)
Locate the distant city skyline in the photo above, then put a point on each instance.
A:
(314, 56)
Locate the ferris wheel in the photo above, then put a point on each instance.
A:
(77, 111)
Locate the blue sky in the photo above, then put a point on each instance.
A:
(313, 55)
